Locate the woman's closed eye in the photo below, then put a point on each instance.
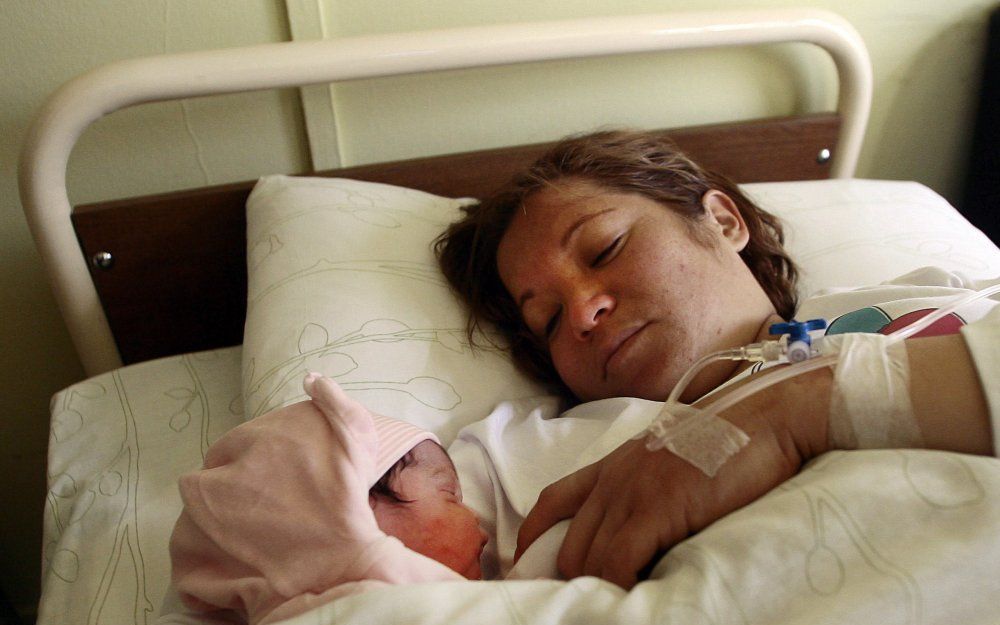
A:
(608, 252)
(603, 257)
(552, 324)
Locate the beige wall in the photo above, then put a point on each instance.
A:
(43, 43)
(926, 55)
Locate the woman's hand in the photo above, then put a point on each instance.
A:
(634, 504)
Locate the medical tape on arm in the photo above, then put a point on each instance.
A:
(696, 436)
(870, 406)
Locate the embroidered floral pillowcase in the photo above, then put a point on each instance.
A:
(343, 280)
(849, 233)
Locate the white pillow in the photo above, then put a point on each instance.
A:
(846, 233)
(342, 280)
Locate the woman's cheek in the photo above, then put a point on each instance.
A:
(569, 365)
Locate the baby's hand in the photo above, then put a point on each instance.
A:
(352, 423)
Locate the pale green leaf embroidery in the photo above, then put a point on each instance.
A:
(449, 340)
(111, 483)
(336, 364)
(66, 565)
(90, 390)
(374, 217)
(236, 405)
(180, 420)
(262, 250)
(377, 327)
(422, 272)
(317, 353)
(64, 486)
(180, 393)
(312, 338)
(81, 506)
(248, 372)
(431, 392)
(65, 424)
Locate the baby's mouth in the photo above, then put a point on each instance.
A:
(475, 571)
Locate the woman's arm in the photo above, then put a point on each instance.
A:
(635, 504)
(948, 401)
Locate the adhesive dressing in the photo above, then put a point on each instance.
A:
(870, 404)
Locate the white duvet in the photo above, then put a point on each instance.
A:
(857, 537)
(870, 537)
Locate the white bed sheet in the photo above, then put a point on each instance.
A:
(806, 553)
(118, 443)
(891, 536)
(880, 536)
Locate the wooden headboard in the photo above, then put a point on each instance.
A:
(177, 281)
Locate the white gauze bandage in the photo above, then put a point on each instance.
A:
(870, 405)
(698, 437)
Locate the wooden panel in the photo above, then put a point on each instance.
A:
(178, 283)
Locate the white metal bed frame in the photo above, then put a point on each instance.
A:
(83, 100)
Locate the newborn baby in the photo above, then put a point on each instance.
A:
(315, 501)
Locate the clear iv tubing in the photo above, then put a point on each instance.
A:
(780, 375)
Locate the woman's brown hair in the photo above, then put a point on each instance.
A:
(619, 160)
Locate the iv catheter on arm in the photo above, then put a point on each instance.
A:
(701, 437)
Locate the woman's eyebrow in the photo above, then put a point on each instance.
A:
(563, 242)
(579, 222)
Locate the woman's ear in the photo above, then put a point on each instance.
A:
(722, 210)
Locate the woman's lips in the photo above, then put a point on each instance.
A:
(620, 347)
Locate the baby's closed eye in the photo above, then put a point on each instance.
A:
(448, 483)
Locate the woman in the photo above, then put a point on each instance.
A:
(613, 264)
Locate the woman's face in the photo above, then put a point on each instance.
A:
(433, 521)
(622, 294)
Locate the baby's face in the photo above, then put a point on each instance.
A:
(434, 521)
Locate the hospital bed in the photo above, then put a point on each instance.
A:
(194, 310)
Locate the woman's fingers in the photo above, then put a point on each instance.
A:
(579, 544)
(629, 551)
(635, 520)
(560, 500)
(611, 516)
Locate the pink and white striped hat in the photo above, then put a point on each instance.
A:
(395, 439)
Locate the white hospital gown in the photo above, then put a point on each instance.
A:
(506, 459)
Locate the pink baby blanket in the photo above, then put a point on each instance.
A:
(278, 520)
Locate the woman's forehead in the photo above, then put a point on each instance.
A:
(547, 214)
(568, 193)
(547, 217)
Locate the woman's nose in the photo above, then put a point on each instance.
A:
(589, 312)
